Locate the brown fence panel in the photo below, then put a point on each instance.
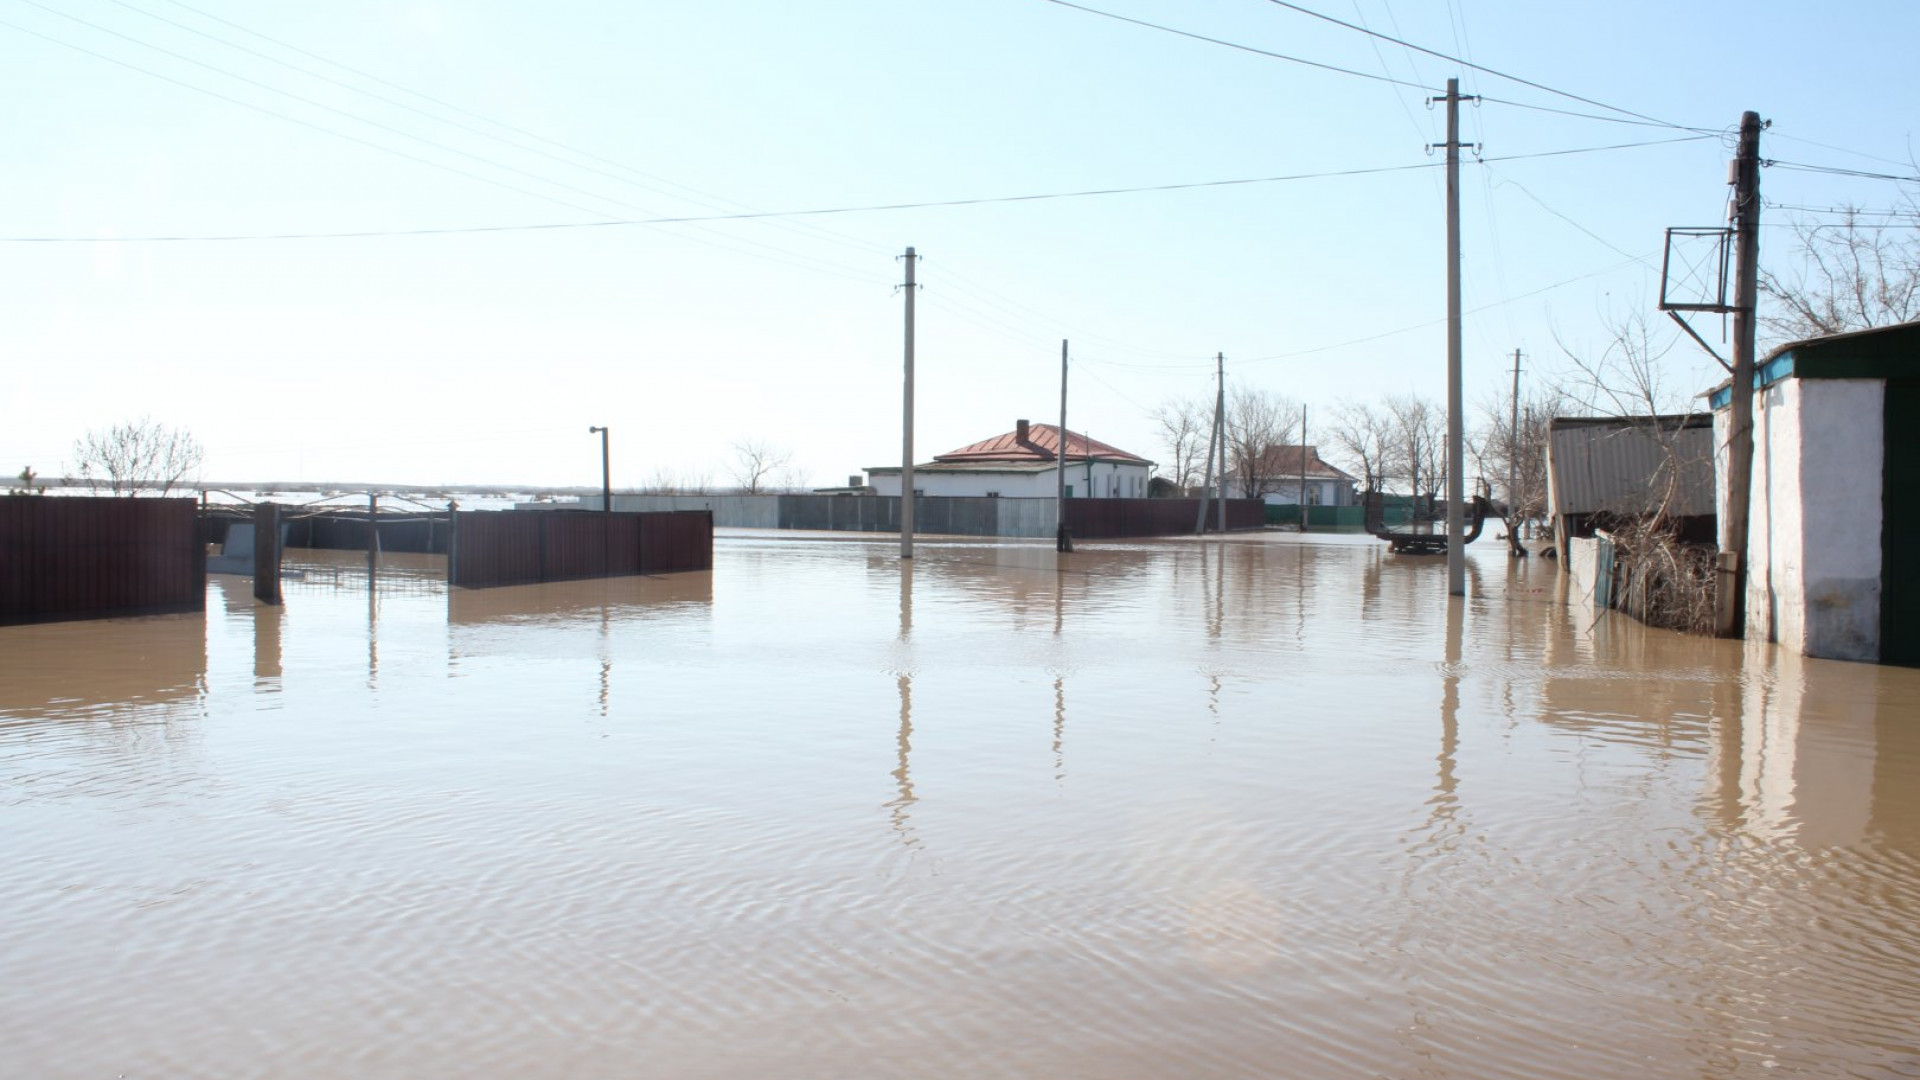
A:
(527, 547)
(1114, 519)
(496, 548)
(82, 558)
(676, 542)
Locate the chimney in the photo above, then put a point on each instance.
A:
(1020, 431)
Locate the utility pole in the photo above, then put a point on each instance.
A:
(1456, 457)
(1513, 460)
(1303, 468)
(906, 429)
(1213, 443)
(1220, 425)
(1063, 538)
(1731, 566)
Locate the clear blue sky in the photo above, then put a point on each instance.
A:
(483, 357)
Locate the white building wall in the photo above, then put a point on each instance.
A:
(1842, 448)
(1110, 480)
(1813, 545)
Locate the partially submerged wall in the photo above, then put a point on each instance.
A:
(1814, 547)
(936, 515)
(88, 558)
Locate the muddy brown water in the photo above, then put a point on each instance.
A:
(1177, 809)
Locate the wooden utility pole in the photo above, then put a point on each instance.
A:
(906, 429)
(1730, 578)
(1456, 457)
(1063, 538)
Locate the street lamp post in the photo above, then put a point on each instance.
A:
(606, 472)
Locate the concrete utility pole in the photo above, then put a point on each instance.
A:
(1063, 538)
(1730, 578)
(1303, 468)
(1220, 425)
(906, 429)
(1513, 458)
(1213, 443)
(1456, 457)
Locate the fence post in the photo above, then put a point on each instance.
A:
(266, 553)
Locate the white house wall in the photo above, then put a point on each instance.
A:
(1041, 484)
(1842, 447)
(1813, 547)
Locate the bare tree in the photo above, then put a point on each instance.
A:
(1416, 449)
(1363, 434)
(1853, 274)
(1184, 425)
(754, 460)
(1663, 580)
(136, 458)
(1258, 422)
(1504, 449)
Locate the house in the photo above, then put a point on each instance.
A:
(1024, 463)
(1835, 495)
(1609, 469)
(1291, 475)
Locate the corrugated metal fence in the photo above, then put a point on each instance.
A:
(491, 548)
(1115, 519)
(89, 558)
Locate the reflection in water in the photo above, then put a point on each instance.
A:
(1620, 853)
(902, 803)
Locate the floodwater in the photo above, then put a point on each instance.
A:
(1175, 809)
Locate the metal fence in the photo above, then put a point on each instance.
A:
(491, 548)
(948, 515)
(1118, 519)
(1352, 518)
(89, 558)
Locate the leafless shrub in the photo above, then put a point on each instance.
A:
(1661, 580)
(142, 457)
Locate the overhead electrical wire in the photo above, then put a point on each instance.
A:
(572, 152)
(1243, 48)
(727, 243)
(1835, 170)
(1290, 6)
(827, 211)
(1626, 115)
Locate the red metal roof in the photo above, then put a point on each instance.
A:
(1041, 445)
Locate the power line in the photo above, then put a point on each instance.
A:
(1838, 149)
(1477, 67)
(1834, 170)
(1437, 322)
(294, 119)
(703, 197)
(826, 211)
(1243, 48)
(728, 243)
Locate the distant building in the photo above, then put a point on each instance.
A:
(1023, 463)
(1278, 476)
(1835, 495)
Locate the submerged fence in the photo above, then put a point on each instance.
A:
(491, 548)
(947, 515)
(90, 557)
